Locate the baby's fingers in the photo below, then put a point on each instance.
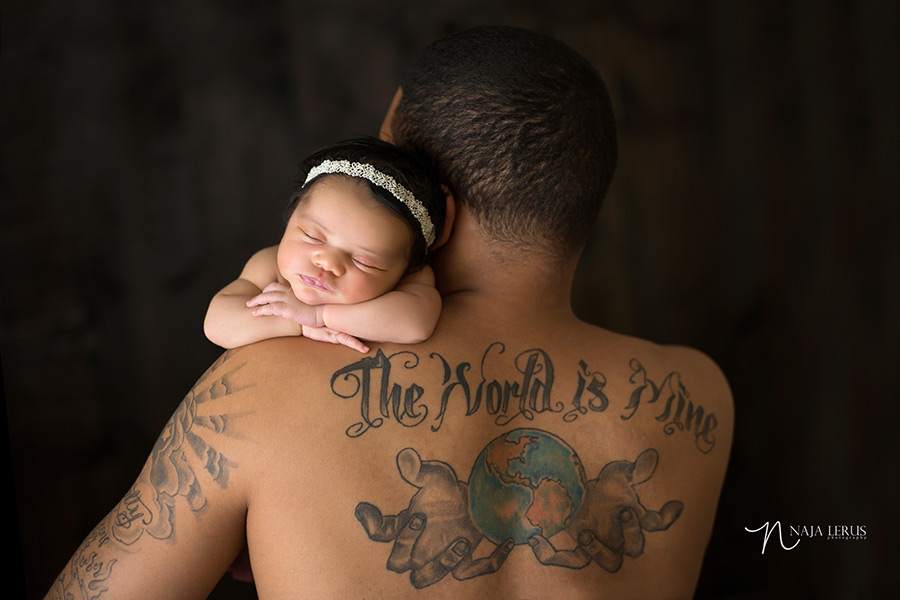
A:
(350, 342)
(266, 298)
(276, 287)
(275, 309)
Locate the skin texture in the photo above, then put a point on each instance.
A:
(352, 476)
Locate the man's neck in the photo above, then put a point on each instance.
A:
(495, 282)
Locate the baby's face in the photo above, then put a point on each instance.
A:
(342, 247)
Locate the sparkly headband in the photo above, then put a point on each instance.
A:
(387, 182)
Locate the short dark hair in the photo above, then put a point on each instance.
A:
(519, 126)
(408, 169)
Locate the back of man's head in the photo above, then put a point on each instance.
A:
(519, 126)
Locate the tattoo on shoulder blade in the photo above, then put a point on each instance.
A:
(684, 416)
(526, 486)
(386, 389)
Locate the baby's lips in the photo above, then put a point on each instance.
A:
(315, 282)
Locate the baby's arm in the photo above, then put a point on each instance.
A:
(230, 323)
(406, 315)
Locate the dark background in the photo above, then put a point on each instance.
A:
(148, 146)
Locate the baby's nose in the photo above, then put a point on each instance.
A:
(329, 260)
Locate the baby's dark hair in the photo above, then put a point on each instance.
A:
(404, 166)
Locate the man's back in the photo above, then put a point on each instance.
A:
(499, 435)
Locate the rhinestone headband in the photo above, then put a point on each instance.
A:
(387, 182)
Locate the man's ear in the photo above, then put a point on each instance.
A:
(386, 131)
(449, 218)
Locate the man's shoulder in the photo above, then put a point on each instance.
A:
(707, 379)
(290, 356)
(691, 363)
(678, 385)
(684, 362)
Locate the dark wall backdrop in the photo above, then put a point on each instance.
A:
(148, 146)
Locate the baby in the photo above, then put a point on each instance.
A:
(352, 262)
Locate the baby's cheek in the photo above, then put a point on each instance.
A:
(279, 264)
(389, 283)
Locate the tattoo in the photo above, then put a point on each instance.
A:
(373, 382)
(171, 475)
(86, 574)
(672, 389)
(597, 402)
(526, 486)
(149, 506)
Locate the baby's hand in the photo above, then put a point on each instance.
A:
(324, 334)
(278, 300)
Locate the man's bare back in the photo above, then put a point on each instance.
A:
(420, 430)
(516, 453)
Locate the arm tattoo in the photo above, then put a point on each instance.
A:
(171, 475)
(86, 574)
(169, 480)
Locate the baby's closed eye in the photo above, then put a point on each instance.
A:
(365, 264)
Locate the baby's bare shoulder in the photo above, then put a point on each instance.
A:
(262, 267)
(423, 276)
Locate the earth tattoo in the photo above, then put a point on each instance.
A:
(526, 482)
